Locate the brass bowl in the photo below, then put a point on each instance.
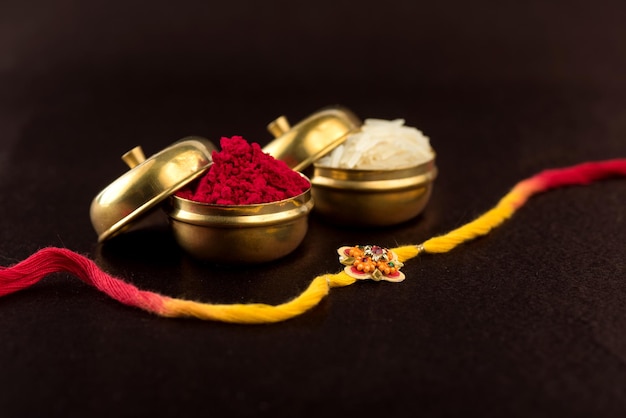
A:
(239, 234)
(372, 197)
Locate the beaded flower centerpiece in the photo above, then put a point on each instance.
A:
(371, 262)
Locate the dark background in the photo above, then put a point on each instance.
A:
(528, 321)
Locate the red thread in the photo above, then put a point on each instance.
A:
(242, 174)
(54, 260)
(581, 174)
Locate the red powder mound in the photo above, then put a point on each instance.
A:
(242, 174)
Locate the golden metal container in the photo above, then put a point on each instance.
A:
(372, 197)
(262, 232)
(349, 196)
(240, 234)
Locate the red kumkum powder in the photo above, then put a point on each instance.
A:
(242, 174)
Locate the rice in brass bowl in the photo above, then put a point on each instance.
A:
(240, 233)
(372, 197)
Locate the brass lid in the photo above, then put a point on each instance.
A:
(312, 138)
(148, 182)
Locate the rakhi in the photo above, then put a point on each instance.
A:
(373, 260)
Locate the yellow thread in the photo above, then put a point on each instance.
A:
(406, 252)
(257, 313)
(478, 227)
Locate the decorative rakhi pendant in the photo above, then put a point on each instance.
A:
(371, 262)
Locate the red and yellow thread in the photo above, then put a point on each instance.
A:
(52, 260)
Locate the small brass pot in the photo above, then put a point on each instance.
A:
(239, 233)
(372, 197)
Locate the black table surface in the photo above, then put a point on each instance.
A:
(527, 321)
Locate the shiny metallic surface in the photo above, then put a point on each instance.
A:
(117, 207)
(240, 234)
(279, 126)
(134, 157)
(312, 138)
(372, 197)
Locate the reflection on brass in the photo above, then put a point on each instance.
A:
(240, 234)
(279, 127)
(372, 197)
(134, 157)
(312, 138)
(126, 200)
